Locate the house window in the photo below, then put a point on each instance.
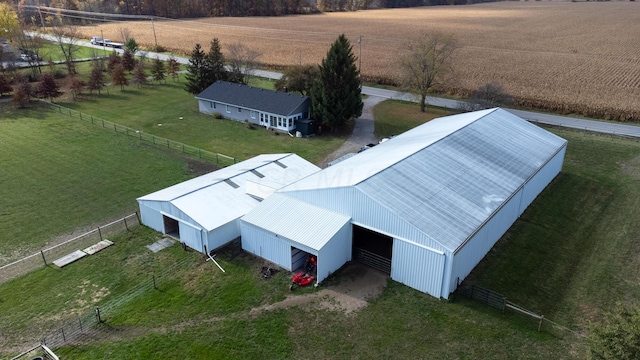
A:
(272, 120)
(279, 121)
(228, 108)
(253, 114)
(290, 122)
(213, 105)
(239, 109)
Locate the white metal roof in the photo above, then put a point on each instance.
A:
(216, 198)
(296, 220)
(445, 177)
(356, 169)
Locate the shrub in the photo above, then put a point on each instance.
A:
(217, 115)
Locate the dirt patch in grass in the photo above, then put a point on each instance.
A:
(351, 291)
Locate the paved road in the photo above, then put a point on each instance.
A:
(564, 121)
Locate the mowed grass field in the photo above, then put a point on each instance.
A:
(569, 55)
(167, 110)
(571, 256)
(60, 176)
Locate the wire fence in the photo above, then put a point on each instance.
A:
(219, 159)
(47, 256)
(90, 324)
(499, 301)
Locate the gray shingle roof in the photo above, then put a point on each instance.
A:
(270, 101)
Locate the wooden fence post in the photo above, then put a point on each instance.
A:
(540, 324)
(155, 286)
(125, 224)
(98, 314)
(43, 258)
(100, 233)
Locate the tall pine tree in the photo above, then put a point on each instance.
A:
(217, 70)
(198, 71)
(335, 96)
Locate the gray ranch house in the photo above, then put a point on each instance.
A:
(269, 108)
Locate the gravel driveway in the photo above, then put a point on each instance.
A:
(362, 132)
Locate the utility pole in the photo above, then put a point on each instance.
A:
(360, 54)
(103, 48)
(154, 34)
(41, 19)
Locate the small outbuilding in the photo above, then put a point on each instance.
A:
(203, 212)
(269, 108)
(425, 206)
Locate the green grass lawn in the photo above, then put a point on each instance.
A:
(570, 257)
(59, 175)
(145, 108)
(393, 117)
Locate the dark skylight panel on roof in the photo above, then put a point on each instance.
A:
(232, 184)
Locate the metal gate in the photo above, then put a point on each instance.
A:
(374, 260)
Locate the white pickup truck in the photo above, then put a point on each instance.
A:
(105, 42)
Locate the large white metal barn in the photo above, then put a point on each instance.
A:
(203, 212)
(425, 206)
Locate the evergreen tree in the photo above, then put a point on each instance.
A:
(197, 71)
(335, 96)
(215, 58)
(131, 45)
(157, 70)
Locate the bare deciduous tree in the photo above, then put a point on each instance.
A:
(426, 62)
(242, 62)
(67, 37)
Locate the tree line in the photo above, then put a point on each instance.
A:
(206, 8)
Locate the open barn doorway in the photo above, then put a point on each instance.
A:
(171, 226)
(372, 248)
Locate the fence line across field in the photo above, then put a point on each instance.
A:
(47, 256)
(499, 301)
(220, 160)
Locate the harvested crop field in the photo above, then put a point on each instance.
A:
(580, 57)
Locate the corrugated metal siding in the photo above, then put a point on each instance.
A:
(535, 186)
(417, 267)
(151, 217)
(266, 245)
(190, 236)
(469, 255)
(299, 221)
(365, 212)
(222, 235)
(335, 253)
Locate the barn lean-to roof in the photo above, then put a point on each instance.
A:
(269, 101)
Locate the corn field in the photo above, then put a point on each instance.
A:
(569, 57)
